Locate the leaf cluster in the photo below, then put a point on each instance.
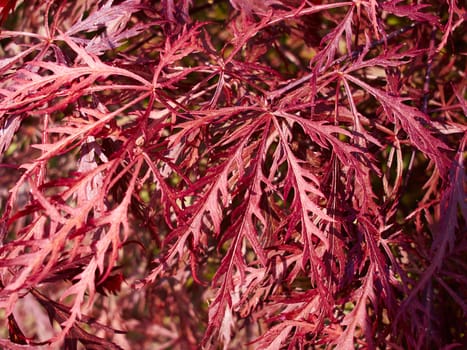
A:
(272, 174)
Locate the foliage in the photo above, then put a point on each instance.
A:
(272, 174)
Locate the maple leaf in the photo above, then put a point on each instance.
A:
(292, 173)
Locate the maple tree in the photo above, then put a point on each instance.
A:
(272, 174)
